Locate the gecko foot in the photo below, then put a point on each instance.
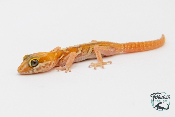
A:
(99, 64)
(64, 68)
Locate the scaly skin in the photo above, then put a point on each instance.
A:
(64, 58)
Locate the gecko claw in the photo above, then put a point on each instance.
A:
(68, 69)
(109, 62)
(103, 66)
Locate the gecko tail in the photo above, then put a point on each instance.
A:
(141, 46)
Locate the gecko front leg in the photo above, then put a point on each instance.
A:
(106, 51)
(69, 61)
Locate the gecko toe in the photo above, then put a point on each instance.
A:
(64, 68)
(99, 64)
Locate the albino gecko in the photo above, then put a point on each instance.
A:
(63, 59)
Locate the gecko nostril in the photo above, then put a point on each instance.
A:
(19, 69)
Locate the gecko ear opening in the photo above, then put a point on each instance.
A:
(25, 57)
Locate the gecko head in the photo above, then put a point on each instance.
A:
(37, 62)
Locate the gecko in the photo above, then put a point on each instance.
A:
(63, 58)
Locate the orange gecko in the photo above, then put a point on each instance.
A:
(63, 59)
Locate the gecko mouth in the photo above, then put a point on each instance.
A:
(22, 71)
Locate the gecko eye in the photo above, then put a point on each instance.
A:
(33, 62)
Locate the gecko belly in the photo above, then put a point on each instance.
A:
(82, 58)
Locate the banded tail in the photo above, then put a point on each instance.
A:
(141, 46)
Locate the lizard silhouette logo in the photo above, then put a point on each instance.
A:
(160, 101)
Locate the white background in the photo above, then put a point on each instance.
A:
(121, 89)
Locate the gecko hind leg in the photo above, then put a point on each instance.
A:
(104, 50)
(69, 60)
